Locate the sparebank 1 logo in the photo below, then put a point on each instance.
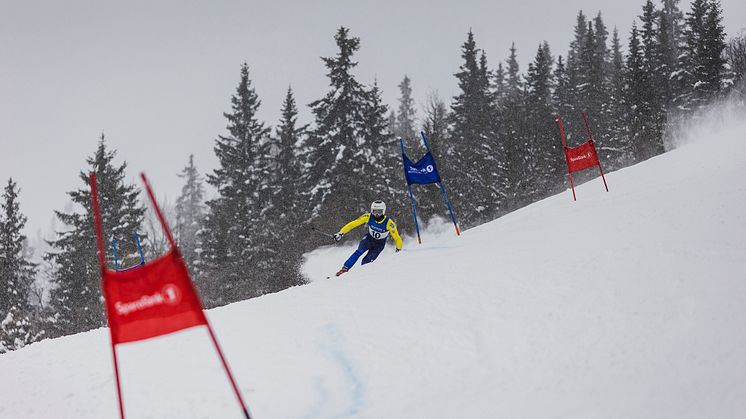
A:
(170, 294)
(415, 171)
(587, 155)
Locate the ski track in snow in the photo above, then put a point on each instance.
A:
(333, 347)
(331, 344)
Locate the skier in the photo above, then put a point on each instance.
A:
(379, 227)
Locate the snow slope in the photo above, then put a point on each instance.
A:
(627, 304)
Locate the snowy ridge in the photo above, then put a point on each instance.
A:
(627, 304)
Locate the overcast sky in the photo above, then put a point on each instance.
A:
(156, 76)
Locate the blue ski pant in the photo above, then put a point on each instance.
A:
(369, 244)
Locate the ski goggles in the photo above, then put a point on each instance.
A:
(377, 213)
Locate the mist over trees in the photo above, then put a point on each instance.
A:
(280, 190)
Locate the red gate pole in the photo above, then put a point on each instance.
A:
(119, 386)
(564, 150)
(171, 240)
(102, 265)
(587, 128)
(244, 408)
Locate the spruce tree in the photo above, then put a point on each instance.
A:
(672, 21)
(615, 150)
(590, 89)
(392, 121)
(280, 161)
(701, 63)
(736, 53)
(17, 273)
(675, 27)
(591, 93)
(406, 114)
(290, 137)
(542, 165)
(381, 157)
(334, 188)
(77, 301)
(435, 126)
(498, 120)
(478, 155)
(690, 57)
(190, 213)
(655, 82)
(562, 87)
(18, 329)
(285, 211)
(601, 37)
(664, 70)
(512, 132)
(231, 241)
(636, 96)
(578, 73)
(498, 90)
(714, 57)
(601, 112)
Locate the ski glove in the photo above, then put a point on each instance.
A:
(338, 236)
(397, 251)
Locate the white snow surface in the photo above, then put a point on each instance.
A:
(626, 304)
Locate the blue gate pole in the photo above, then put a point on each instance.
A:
(116, 261)
(411, 197)
(442, 186)
(139, 248)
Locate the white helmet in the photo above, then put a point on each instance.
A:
(378, 207)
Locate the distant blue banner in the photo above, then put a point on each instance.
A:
(423, 172)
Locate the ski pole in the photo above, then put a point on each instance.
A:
(321, 232)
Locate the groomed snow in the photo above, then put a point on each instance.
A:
(627, 304)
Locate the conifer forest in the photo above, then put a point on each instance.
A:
(282, 187)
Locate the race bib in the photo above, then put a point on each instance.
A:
(378, 235)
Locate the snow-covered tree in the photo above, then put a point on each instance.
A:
(636, 95)
(561, 92)
(542, 165)
(671, 12)
(334, 186)
(577, 69)
(230, 238)
(512, 131)
(614, 151)
(406, 114)
(655, 49)
(76, 300)
(381, 159)
(16, 272)
(190, 212)
(16, 275)
(435, 126)
(736, 53)
(290, 139)
(702, 64)
(601, 105)
(477, 159)
(283, 209)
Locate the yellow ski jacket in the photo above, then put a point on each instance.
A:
(365, 218)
